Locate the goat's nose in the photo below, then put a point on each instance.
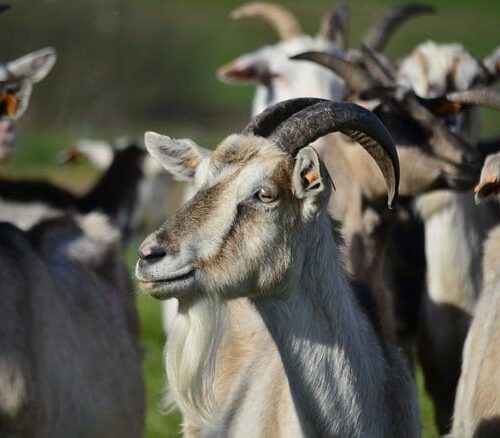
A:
(151, 254)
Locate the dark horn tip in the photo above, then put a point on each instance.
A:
(4, 8)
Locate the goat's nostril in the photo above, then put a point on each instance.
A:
(151, 253)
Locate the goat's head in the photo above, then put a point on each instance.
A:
(260, 197)
(432, 70)
(277, 78)
(269, 68)
(432, 155)
(16, 82)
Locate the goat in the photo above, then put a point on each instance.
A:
(150, 200)
(69, 350)
(277, 78)
(259, 228)
(477, 403)
(16, 83)
(389, 250)
(454, 230)
(115, 194)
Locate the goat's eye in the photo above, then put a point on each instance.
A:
(265, 196)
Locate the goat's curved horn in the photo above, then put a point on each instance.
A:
(378, 66)
(334, 26)
(354, 76)
(281, 19)
(266, 122)
(358, 123)
(485, 98)
(378, 35)
(4, 7)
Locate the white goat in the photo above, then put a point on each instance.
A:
(258, 228)
(477, 404)
(69, 352)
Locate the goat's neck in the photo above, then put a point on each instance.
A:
(332, 356)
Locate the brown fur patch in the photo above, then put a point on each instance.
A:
(233, 154)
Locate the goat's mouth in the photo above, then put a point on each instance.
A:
(171, 286)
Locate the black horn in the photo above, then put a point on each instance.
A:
(313, 122)
(356, 78)
(266, 122)
(378, 35)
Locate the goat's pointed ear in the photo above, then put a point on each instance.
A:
(180, 157)
(309, 179)
(33, 66)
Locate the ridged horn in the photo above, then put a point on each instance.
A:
(486, 98)
(268, 120)
(335, 26)
(378, 35)
(313, 122)
(281, 19)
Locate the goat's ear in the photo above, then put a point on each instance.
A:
(489, 183)
(309, 179)
(249, 69)
(180, 157)
(33, 66)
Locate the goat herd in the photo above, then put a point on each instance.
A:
(295, 302)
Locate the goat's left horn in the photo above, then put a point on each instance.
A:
(358, 123)
(485, 98)
(266, 122)
(335, 26)
(378, 35)
(281, 19)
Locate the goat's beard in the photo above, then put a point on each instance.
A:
(193, 341)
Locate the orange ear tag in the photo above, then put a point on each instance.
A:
(192, 162)
(8, 105)
(311, 177)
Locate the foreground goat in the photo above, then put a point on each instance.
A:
(259, 228)
(477, 404)
(69, 353)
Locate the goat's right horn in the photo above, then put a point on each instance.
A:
(357, 79)
(281, 19)
(378, 35)
(485, 98)
(358, 123)
(4, 8)
(334, 26)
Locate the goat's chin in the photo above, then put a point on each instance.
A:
(181, 288)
